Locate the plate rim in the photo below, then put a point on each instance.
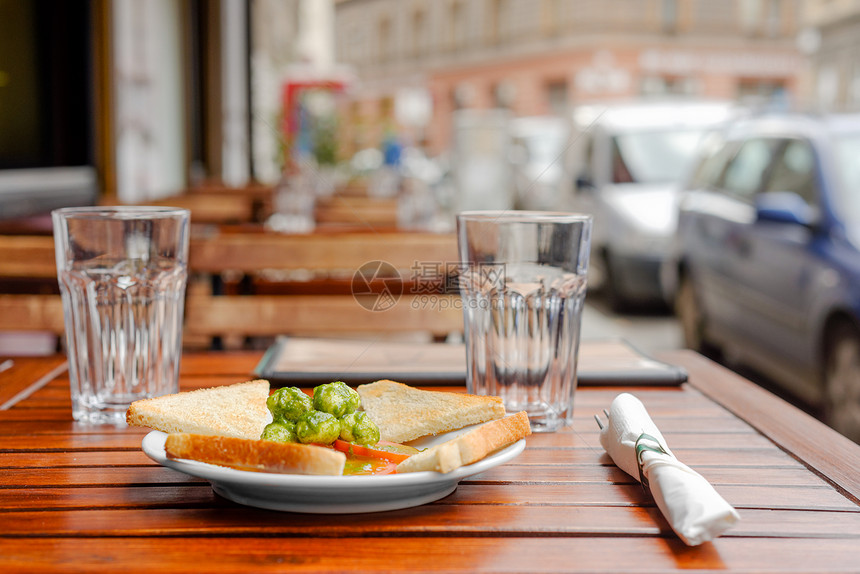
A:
(152, 445)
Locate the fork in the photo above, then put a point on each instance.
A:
(597, 418)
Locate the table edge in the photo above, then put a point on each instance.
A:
(823, 450)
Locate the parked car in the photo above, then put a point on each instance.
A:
(767, 268)
(631, 159)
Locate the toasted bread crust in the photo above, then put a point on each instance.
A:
(469, 447)
(404, 413)
(256, 455)
(237, 410)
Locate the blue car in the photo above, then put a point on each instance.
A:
(766, 264)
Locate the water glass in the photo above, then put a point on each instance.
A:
(295, 203)
(523, 282)
(122, 274)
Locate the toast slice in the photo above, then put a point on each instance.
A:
(256, 455)
(469, 447)
(237, 410)
(404, 413)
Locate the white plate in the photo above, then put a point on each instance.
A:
(329, 494)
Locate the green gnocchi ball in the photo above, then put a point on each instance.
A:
(358, 428)
(317, 427)
(281, 431)
(336, 399)
(288, 404)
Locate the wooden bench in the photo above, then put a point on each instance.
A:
(257, 198)
(29, 258)
(212, 208)
(372, 212)
(301, 305)
(304, 285)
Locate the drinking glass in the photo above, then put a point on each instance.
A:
(122, 274)
(522, 285)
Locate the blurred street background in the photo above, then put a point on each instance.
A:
(714, 141)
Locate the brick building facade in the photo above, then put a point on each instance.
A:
(545, 56)
(832, 41)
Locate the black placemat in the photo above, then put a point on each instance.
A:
(308, 361)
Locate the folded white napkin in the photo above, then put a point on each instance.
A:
(696, 512)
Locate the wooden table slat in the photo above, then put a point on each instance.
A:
(202, 513)
(518, 492)
(421, 554)
(25, 470)
(22, 376)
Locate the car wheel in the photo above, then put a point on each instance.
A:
(690, 316)
(842, 380)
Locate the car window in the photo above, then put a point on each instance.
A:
(714, 154)
(745, 173)
(620, 171)
(586, 169)
(794, 170)
(659, 156)
(847, 149)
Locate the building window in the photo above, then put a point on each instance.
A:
(556, 96)
(669, 16)
(504, 94)
(666, 85)
(384, 40)
(774, 18)
(763, 90)
(455, 99)
(457, 25)
(497, 21)
(550, 17)
(419, 33)
(349, 45)
(760, 17)
(749, 14)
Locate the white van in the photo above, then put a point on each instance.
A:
(630, 161)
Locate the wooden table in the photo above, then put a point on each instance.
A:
(78, 498)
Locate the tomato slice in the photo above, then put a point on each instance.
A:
(359, 465)
(390, 451)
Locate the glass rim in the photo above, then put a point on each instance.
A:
(525, 216)
(120, 212)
